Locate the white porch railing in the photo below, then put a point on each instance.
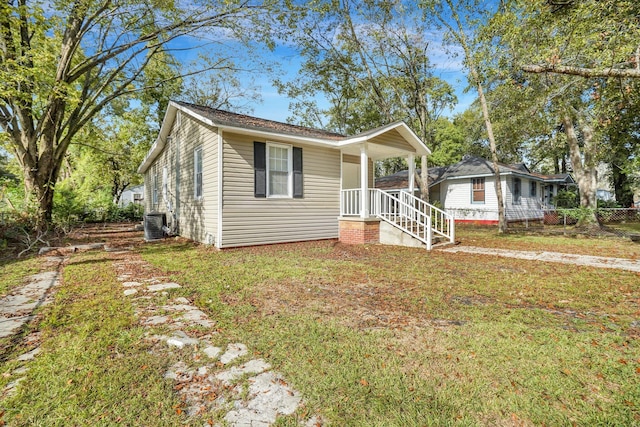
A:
(442, 223)
(402, 210)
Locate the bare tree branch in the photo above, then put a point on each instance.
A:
(582, 71)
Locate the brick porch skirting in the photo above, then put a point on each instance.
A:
(358, 231)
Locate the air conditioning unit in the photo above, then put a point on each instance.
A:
(153, 225)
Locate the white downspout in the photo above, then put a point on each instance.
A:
(220, 188)
(341, 182)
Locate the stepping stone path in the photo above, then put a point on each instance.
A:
(19, 307)
(209, 379)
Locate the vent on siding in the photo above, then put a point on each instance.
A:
(153, 224)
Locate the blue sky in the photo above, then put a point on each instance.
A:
(276, 107)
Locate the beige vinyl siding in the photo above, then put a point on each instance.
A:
(393, 139)
(351, 159)
(197, 219)
(155, 171)
(148, 190)
(248, 220)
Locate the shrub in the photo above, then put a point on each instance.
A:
(566, 199)
(132, 212)
(608, 204)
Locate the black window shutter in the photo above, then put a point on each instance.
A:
(260, 169)
(297, 173)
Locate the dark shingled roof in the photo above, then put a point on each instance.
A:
(226, 118)
(468, 166)
(399, 179)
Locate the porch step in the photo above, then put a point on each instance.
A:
(391, 235)
(419, 230)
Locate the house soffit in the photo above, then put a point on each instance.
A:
(394, 140)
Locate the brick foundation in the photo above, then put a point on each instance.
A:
(358, 231)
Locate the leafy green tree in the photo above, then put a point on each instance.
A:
(462, 22)
(603, 37)
(104, 159)
(621, 135)
(456, 138)
(588, 35)
(220, 87)
(371, 61)
(61, 65)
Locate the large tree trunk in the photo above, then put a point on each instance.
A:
(42, 193)
(424, 179)
(460, 35)
(41, 165)
(502, 220)
(584, 169)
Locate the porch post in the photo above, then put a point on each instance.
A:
(364, 182)
(412, 166)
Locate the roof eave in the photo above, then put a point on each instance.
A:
(159, 143)
(169, 117)
(403, 129)
(279, 136)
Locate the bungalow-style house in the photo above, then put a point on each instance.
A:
(466, 190)
(231, 180)
(133, 194)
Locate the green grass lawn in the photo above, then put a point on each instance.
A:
(371, 335)
(395, 336)
(94, 368)
(631, 227)
(14, 272)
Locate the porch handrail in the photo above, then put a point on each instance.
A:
(442, 222)
(403, 215)
(402, 210)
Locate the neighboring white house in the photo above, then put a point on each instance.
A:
(233, 180)
(132, 195)
(467, 190)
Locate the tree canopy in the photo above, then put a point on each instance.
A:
(62, 63)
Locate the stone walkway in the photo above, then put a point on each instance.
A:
(586, 260)
(209, 379)
(17, 308)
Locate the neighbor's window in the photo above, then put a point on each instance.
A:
(478, 190)
(197, 173)
(533, 188)
(517, 191)
(279, 170)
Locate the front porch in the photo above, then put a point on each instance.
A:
(366, 211)
(425, 224)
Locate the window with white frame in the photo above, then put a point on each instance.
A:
(533, 188)
(197, 173)
(165, 184)
(477, 195)
(154, 195)
(279, 170)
